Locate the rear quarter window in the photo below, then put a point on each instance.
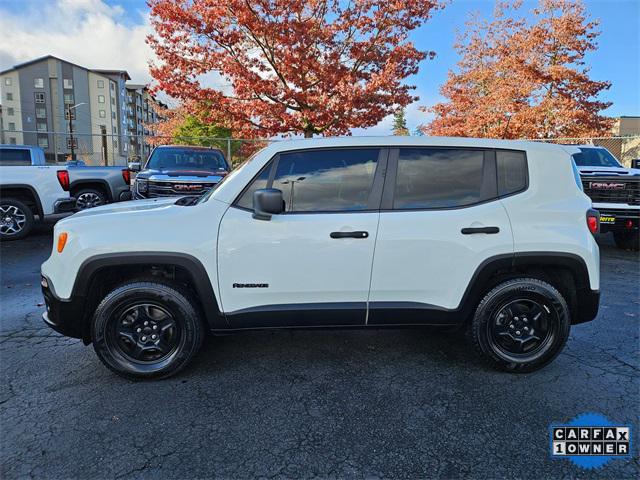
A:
(511, 168)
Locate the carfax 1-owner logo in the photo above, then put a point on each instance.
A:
(590, 440)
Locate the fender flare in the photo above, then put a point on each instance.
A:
(99, 181)
(32, 190)
(198, 274)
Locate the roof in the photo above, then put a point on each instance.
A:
(47, 57)
(414, 141)
(111, 72)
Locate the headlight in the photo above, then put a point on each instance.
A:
(142, 185)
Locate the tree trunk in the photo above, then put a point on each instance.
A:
(308, 133)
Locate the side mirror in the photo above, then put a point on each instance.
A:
(635, 163)
(134, 166)
(267, 202)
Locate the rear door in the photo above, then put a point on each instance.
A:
(440, 219)
(310, 265)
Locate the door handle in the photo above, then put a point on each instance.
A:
(358, 234)
(472, 230)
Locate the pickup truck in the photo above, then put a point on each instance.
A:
(28, 190)
(90, 186)
(614, 191)
(178, 170)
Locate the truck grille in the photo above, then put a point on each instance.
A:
(178, 189)
(612, 190)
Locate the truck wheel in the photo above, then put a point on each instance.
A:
(627, 240)
(16, 219)
(147, 330)
(521, 325)
(89, 198)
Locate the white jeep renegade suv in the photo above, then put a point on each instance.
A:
(495, 236)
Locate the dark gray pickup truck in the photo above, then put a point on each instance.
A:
(94, 186)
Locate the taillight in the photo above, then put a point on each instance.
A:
(593, 221)
(63, 178)
(126, 175)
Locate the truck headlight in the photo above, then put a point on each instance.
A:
(143, 185)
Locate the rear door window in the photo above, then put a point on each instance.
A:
(438, 178)
(12, 157)
(512, 171)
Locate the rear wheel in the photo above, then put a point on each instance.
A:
(89, 198)
(147, 330)
(627, 240)
(16, 219)
(521, 325)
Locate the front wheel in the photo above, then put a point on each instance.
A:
(627, 240)
(147, 330)
(521, 325)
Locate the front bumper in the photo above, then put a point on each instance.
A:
(64, 316)
(64, 205)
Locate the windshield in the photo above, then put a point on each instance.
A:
(595, 157)
(186, 159)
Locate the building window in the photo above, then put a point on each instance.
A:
(115, 144)
(67, 83)
(41, 112)
(113, 101)
(12, 140)
(39, 97)
(102, 114)
(68, 98)
(69, 142)
(7, 81)
(100, 83)
(113, 86)
(41, 126)
(38, 82)
(10, 112)
(113, 115)
(12, 127)
(43, 142)
(100, 98)
(115, 130)
(9, 96)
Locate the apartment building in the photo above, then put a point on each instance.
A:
(59, 105)
(143, 110)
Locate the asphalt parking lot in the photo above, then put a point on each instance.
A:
(299, 404)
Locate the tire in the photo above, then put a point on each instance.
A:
(123, 341)
(510, 318)
(16, 219)
(89, 198)
(627, 240)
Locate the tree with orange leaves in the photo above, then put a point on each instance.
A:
(524, 79)
(289, 66)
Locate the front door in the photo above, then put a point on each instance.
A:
(312, 264)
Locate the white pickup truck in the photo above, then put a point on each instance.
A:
(29, 191)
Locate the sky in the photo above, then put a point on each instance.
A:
(110, 34)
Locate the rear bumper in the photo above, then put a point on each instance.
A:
(64, 316)
(64, 205)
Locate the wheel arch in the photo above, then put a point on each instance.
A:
(23, 192)
(565, 271)
(99, 273)
(96, 183)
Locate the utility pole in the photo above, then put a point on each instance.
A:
(73, 154)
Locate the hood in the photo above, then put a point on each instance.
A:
(609, 171)
(130, 206)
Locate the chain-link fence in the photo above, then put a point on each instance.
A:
(625, 149)
(113, 149)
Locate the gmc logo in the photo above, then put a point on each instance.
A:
(606, 186)
(184, 187)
